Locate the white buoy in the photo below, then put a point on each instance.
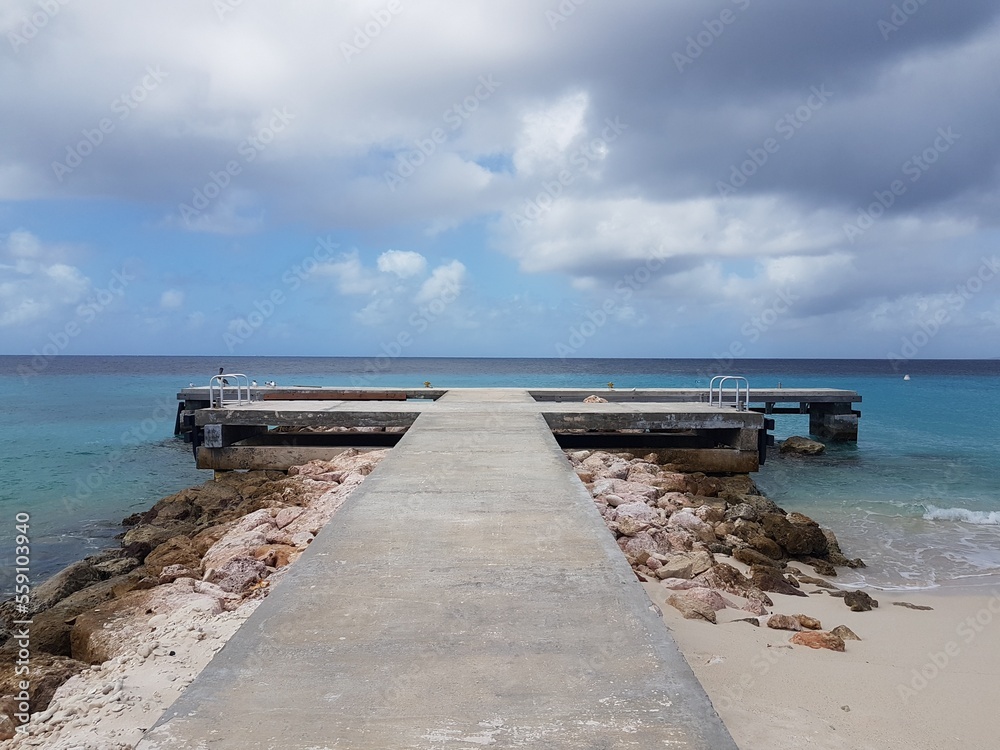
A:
(906, 377)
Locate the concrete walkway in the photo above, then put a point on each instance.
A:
(467, 595)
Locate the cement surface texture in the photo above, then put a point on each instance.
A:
(467, 595)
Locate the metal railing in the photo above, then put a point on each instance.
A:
(222, 381)
(739, 383)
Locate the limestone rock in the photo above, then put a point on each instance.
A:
(172, 572)
(639, 547)
(796, 538)
(846, 633)
(819, 639)
(755, 606)
(822, 567)
(67, 581)
(622, 487)
(634, 517)
(205, 539)
(770, 579)
(801, 446)
(287, 515)
(710, 514)
(238, 574)
(749, 556)
(276, 555)
(117, 566)
(682, 584)
(691, 608)
(761, 504)
(236, 543)
(823, 584)
(670, 482)
(783, 622)
(710, 598)
(767, 547)
(50, 630)
(859, 601)
(141, 540)
(48, 672)
(688, 521)
(685, 565)
(727, 578)
(809, 623)
(742, 512)
(95, 637)
(176, 551)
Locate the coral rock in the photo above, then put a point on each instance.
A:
(846, 633)
(783, 622)
(859, 601)
(801, 446)
(819, 639)
(691, 608)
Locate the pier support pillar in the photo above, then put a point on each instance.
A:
(837, 422)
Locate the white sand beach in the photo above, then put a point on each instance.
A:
(918, 679)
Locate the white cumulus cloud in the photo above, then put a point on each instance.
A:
(403, 263)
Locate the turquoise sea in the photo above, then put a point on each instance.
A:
(86, 441)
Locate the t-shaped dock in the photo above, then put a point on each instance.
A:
(467, 595)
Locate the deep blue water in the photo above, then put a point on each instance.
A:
(86, 441)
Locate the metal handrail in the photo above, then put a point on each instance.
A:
(241, 382)
(719, 383)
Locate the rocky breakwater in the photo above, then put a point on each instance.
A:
(115, 637)
(715, 542)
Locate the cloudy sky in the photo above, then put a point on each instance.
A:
(685, 178)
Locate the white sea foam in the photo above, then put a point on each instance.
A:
(977, 517)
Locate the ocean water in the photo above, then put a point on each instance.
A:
(86, 441)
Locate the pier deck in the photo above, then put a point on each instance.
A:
(692, 436)
(468, 594)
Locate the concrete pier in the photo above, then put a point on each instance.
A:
(693, 436)
(468, 594)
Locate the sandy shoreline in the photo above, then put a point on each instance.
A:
(917, 679)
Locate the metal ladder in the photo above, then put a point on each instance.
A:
(242, 381)
(738, 383)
